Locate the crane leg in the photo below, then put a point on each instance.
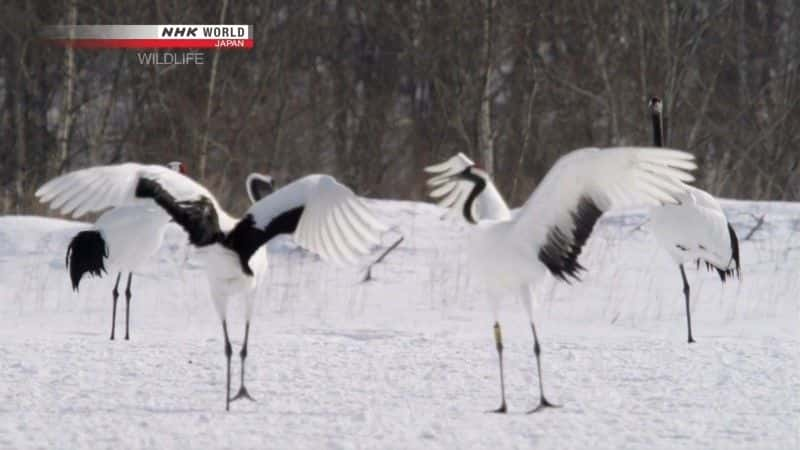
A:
(115, 295)
(228, 353)
(128, 305)
(498, 340)
(543, 402)
(686, 294)
(243, 354)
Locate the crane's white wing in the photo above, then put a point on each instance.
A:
(325, 217)
(464, 189)
(337, 225)
(560, 214)
(98, 188)
(702, 199)
(447, 184)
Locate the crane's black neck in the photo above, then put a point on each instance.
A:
(480, 185)
(658, 129)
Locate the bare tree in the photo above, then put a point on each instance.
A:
(485, 136)
(203, 163)
(65, 124)
(374, 91)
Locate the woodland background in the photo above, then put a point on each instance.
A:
(372, 91)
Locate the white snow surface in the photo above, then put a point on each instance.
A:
(407, 360)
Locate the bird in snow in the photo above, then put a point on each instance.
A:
(126, 236)
(695, 228)
(512, 252)
(322, 215)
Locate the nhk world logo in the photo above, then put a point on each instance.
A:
(235, 32)
(151, 37)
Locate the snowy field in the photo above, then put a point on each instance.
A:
(407, 360)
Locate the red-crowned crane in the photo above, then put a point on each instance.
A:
(512, 253)
(125, 237)
(695, 228)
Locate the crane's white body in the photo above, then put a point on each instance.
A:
(696, 228)
(502, 265)
(491, 205)
(133, 235)
(227, 282)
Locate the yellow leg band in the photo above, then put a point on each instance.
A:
(498, 337)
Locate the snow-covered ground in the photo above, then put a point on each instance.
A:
(407, 360)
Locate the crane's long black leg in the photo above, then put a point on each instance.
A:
(686, 294)
(115, 295)
(128, 305)
(498, 340)
(228, 353)
(543, 402)
(243, 354)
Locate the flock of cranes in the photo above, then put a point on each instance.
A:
(510, 251)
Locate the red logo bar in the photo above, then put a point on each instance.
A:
(143, 44)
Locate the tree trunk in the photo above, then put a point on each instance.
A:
(203, 163)
(485, 137)
(97, 139)
(69, 88)
(741, 56)
(20, 130)
(341, 106)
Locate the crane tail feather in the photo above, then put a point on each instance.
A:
(86, 253)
